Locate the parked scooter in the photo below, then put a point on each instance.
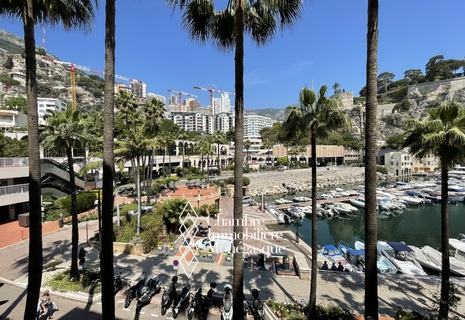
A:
(197, 305)
(147, 291)
(168, 295)
(227, 310)
(182, 300)
(118, 283)
(256, 306)
(132, 292)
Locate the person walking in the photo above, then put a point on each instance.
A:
(47, 307)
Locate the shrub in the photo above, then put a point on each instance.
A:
(85, 201)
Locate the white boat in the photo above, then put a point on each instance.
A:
(301, 199)
(341, 209)
(401, 256)
(383, 264)
(457, 267)
(307, 210)
(282, 201)
(359, 202)
(412, 201)
(350, 207)
(278, 215)
(425, 260)
(332, 254)
(296, 212)
(457, 249)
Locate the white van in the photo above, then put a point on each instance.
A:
(218, 244)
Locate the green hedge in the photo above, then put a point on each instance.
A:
(85, 202)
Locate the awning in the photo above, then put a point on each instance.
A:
(399, 246)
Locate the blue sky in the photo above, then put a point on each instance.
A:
(327, 45)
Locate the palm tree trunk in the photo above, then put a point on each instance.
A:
(106, 255)
(238, 263)
(35, 220)
(445, 269)
(314, 274)
(371, 272)
(138, 193)
(219, 162)
(164, 171)
(74, 271)
(150, 176)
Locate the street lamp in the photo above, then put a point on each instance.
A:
(98, 185)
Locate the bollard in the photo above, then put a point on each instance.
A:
(62, 249)
(160, 246)
(171, 246)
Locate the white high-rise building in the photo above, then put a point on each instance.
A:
(48, 104)
(254, 123)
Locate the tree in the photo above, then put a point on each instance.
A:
(384, 80)
(371, 228)
(218, 137)
(443, 135)
(336, 87)
(16, 103)
(316, 116)
(63, 131)
(106, 256)
(226, 29)
(72, 15)
(414, 75)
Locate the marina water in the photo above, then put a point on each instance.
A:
(417, 226)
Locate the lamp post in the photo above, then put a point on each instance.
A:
(98, 185)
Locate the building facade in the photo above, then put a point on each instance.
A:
(44, 105)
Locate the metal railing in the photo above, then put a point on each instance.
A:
(17, 188)
(14, 162)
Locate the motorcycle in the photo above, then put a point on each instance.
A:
(132, 292)
(146, 292)
(227, 310)
(168, 295)
(256, 306)
(197, 306)
(181, 301)
(117, 284)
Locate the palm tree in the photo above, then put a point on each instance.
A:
(133, 146)
(226, 28)
(218, 137)
(72, 15)
(443, 135)
(371, 227)
(316, 116)
(154, 110)
(336, 87)
(203, 148)
(247, 145)
(62, 131)
(106, 255)
(126, 103)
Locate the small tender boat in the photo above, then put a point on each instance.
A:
(383, 264)
(282, 201)
(334, 255)
(457, 249)
(457, 267)
(425, 261)
(400, 255)
(355, 257)
(359, 202)
(301, 199)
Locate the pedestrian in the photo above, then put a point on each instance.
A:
(340, 267)
(325, 266)
(333, 267)
(46, 305)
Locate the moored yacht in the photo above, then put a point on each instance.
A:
(457, 267)
(383, 264)
(401, 256)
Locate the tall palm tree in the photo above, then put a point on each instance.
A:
(63, 131)
(316, 116)
(226, 28)
(202, 147)
(218, 137)
(132, 146)
(371, 227)
(154, 110)
(106, 255)
(75, 14)
(443, 135)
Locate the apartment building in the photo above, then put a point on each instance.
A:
(44, 105)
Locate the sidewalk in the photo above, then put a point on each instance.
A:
(333, 288)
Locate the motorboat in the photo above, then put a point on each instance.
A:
(401, 256)
(359, 202)
(457, 249)
(341, 209)
(296, 211)
(411, 201)
(301, 199)
(383, 264)
(457, 267)
(425, 260)
(278, 215)
(349, 206)
(355, 257)
(334, 255)
(282, 201)
(307, 210)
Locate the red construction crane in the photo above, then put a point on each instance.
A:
(181, 93)
(211, 90)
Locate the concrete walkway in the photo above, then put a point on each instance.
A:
(334, 288)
